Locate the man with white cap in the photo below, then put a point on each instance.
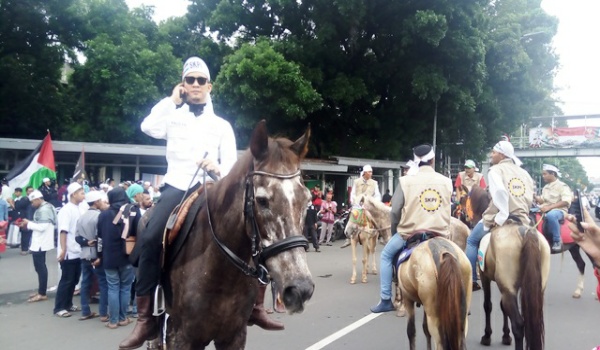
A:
(469, 177)
(554, 202)
(87, 237)
(195, 137)
(42, 240)
(49, 192)
(511, 189)
(421, 203)
(68, 251)
(364, 186)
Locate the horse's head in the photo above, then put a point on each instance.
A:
(280, 200)
(479, 201)
(379, 214)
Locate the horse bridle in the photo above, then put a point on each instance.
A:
(260, 254)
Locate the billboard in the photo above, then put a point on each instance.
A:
(576, 137)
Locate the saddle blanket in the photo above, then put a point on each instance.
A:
(483, 246)
(404, 255)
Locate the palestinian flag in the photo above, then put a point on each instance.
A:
(33, 169)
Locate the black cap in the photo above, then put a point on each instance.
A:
(422, 150)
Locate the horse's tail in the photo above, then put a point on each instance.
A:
(532, 293)
(451, 303)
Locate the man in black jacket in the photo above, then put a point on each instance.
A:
(310, 225)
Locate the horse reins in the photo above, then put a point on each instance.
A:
(260, 254)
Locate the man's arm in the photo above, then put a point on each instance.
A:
(155, 124)
(377, 194)
(228, 151)
(353, 194)
(397, 205)
(63, 245)
(500, 197)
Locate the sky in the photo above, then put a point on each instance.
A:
(578, 77)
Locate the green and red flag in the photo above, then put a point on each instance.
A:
(33, 169)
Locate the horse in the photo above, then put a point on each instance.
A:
(568, 244)
(364, 227)
(518, 260)
(476, 202)
(438, 276)
(249, 230)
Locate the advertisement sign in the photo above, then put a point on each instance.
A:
(564, 137)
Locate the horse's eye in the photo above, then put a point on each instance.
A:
(263, 202)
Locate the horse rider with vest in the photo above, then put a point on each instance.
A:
(420, 204)
(511, 189)
(196, 137)
(469, 178)
(554, 202)
(364, 186)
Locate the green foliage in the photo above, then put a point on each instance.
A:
(256, 82)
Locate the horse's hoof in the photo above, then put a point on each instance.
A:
(352, 281)
(401, 313)
(486, 341)
(576, 295)
(374, 272)
(506, 340)
(364, 280)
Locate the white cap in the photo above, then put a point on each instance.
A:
(367, 168)
(195, 64)
(72, 188)
(471, 164)
(35, 195)
(550, 167)
(45, 179)
(93, 196)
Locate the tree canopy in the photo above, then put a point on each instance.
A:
(368, 75)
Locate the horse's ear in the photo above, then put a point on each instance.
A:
(300, 147)
(259, 143)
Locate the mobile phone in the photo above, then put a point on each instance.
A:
(182, 95)
(578, 210)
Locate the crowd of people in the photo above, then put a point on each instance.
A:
(87, 225)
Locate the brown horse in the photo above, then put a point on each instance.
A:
(438, 276)
(364, 227)
(518, 260)
(252, 223)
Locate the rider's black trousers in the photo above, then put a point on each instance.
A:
(151, 239)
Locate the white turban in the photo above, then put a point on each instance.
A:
(367, 168)
(508, 150)
(422, 153)
(549, 167)
(195, 65)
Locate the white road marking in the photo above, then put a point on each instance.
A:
(342, 332)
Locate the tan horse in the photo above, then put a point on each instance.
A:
(518, 259)
(364, 227)
(438, 276)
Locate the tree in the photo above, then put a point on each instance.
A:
(255, 83)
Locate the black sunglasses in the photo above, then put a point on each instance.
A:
(190, 80)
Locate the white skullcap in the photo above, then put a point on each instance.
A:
(35, 195)
(508, 150)
(45, 179)
(367, 168)
(549, 167)
(72, 188)
(195, 64)
(93, 196)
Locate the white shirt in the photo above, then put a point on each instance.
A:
(500, 198)
(188, 139)
(42, 237)
(67, 221)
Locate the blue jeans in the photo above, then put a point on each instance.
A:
(395, 244)
(87, 276)
(473, 246)
(552, 218)
(119, 289)
(103, 286)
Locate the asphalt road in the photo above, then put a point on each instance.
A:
(570, 323)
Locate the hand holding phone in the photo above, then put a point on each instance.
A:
(178, 94)
(579, 210)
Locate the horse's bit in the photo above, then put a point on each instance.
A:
(260, 254)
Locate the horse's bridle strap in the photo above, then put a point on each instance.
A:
(283, 245)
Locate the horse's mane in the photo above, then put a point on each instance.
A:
(377, 205)
(480, 201)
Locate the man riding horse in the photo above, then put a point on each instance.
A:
(421, 204)
(362, 187)
(554, 202)
(196, 137)
(511, 189)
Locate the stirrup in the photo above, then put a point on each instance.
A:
(159, 301)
